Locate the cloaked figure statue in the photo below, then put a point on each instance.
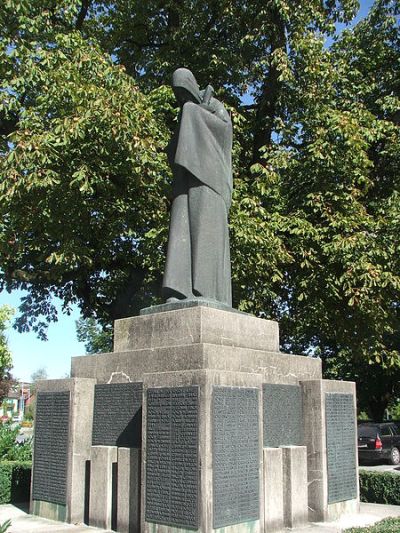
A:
(200, 155)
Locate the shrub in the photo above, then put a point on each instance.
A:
(389, 525)
(379, 487)
(5, 526)
(11, 450)
(15, 481)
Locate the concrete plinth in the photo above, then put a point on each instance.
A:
(79, 439)
(128, 513)
(196, 339)
(315, 431)
(209, 386)
(206, 381)
(101, 485)
(273, 490)
(196, 325)
(295, 500)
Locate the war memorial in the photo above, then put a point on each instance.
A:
(196, 421)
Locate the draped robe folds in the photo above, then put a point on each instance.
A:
(198, 257)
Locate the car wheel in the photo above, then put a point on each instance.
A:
(394, 456)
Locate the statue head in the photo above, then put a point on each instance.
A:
(185, 86)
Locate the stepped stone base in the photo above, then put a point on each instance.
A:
(201, 424)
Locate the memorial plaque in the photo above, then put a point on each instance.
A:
(341, 447)
(282, 415)
(172, 456)
(117, 415)
(50, 461)
(236, 455)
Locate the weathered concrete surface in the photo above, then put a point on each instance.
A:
(205, 379)
(132, 365)
(129, 466)
(196, 325)
(273, 489)
(100, 511)
(79, 443)
(315, 439)
(295, 500)
(22, 522)
(370, 513)
(51, 511)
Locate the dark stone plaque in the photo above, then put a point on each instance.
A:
(172, 456)
(236, 455)
(117, 415)
(51, 447)
(341, 447)
(283, 415)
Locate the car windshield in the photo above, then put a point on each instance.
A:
(367, 431)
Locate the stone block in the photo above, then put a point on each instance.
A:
(79, 429)
(101, 486)
(295, 500)
(275, 367)
(315, 434)
(129, 481)
(273, 489)
(205, 381)
(193, 326)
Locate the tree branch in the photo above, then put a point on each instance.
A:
(82, 14)
(8, 125)
(266, 105)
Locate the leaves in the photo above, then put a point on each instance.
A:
(86, 113)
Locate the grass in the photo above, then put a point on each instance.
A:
(389, 525)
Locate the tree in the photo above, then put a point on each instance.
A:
(40, 373)
(314, 223)
(96, 338)
(85, 147)
(6, 380)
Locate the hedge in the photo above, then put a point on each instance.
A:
(388, 525)
(15, 481)
(379, 487)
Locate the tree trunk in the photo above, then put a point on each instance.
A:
(267, 102)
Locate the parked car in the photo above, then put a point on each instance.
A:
(378, 442)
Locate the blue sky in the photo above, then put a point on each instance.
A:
(30, 353)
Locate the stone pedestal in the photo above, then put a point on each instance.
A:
(295, 500)
(330, 429)
(103, 473)
(273, 490)
(129, 484)
(63, 424)
(211, 457)
(228, 431)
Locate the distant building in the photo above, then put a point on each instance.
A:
(14, 404)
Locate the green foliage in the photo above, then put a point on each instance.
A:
(5, 526)
(85, 116)
(394, 409)
(15, 480)
(379, 487)
(96, 338)
(6, 313)
(11, 450)
(388, 525)
(377, 384)
(29, 412)
(82, 173)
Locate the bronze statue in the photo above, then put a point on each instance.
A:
(200, 154)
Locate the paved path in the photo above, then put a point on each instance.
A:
(21, 522)
(369, 514)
